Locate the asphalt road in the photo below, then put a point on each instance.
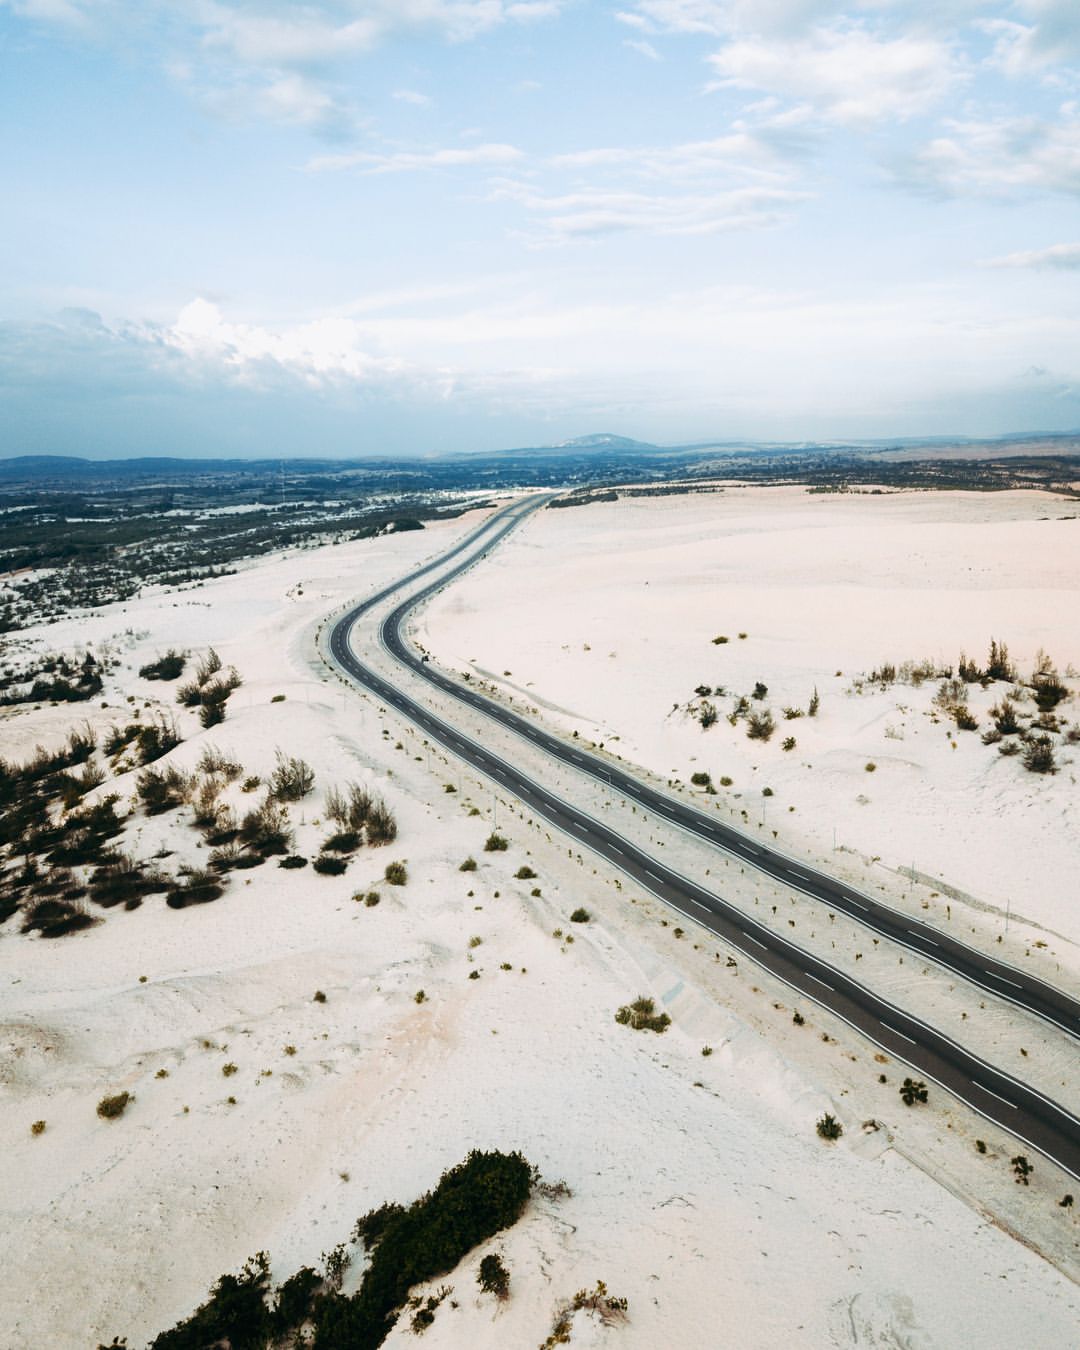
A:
(1018, 1108)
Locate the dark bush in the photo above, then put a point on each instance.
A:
(235, 1314)
(55, 918)
(381, 825)
(641, 1015)
(197, 888)
(162, 791)
(345, 841)
(111, 1107)
(329, 866)
(524, 874)
(998, 665)
(125, 882)
(157, 739)
(471, 1203)
(294, 860)
(1039, 755)
(292, 780)
(265, 830)
(760, 726)
(493, 1277)
(167, 667)
(212, 713)
(495, 843)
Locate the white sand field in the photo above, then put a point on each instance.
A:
(604, 617)
(700, 1190)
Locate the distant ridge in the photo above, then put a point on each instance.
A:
(604, 441)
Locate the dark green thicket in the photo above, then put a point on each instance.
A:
(407, 1246)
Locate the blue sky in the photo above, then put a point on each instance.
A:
(354, 227)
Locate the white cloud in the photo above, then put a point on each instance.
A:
(643, 48)
(412, 96)
(847, 74)
(323, 349)
(412, 161)
(595, 212)
(1059, 257)
(741, 151)
(718, 18)
(276, 60)
(1003, 157)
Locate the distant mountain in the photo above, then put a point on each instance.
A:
(604, 441)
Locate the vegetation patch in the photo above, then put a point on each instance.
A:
(641, 1015)
(406, 1246)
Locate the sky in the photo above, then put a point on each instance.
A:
(368, 227)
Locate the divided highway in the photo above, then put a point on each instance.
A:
(1021, 1110)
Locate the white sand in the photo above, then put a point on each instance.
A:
(605, 616)
(700, 1190)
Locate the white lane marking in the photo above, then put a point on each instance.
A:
(655, 877)
(821, 982)
(991, 1093)
(801, 875)
(1004, 980)
(751, 849)
(865, 908)
(924, 939)
(902, 1036)
(618, 851)
(754, 939)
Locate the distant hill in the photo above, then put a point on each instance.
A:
(604, 441)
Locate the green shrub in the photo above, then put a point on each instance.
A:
(111, 1107)
(495, 843)
(580, 915)
(197, 888)
(328, 866)
(292, 779)
(828, 1127)
(524, 874)
(913, 1091)
(1039, 755)
(167, 667)
(493, 1276)
(469, 865)
(54, 918)
(344, 841)
(396, 874)
(641, 1015)
(381, 825)
(760, 726)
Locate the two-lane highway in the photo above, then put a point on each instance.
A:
(1023, 1111)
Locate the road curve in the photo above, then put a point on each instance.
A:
(1021, 1110)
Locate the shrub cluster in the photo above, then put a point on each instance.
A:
(641, 1015)
(406, 1246)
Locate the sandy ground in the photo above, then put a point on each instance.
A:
(700, 1190)
(603, 618)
